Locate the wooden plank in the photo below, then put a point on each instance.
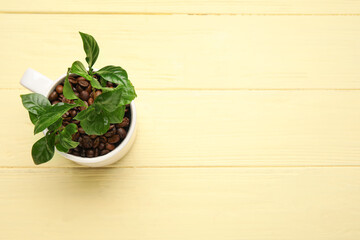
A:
(191, 52)
(186, 6)
(219, 128)
(240, 203)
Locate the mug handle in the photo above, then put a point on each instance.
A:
(36, 82)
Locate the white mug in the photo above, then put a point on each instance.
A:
(38, 83)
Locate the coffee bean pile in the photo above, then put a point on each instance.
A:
(90, 145)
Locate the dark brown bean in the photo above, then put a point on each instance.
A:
(77, 94)
(66, 114)
(76, 121)
(83, 83)
(89, 89)
(111, 126)
(96, 142)
(55, 102)
(90, 101)
(86, 142)
(101, 146)
(92, 94)
(59, 89)
(53, 96)
(103, 139)
(82, 108)
(110, 133)
(77, 149)
(80, 78)
(73, 113)
(103, 152)
(65, 123)
(76, 136)
(110, 146)
(93, 136)
(72, 80)
(90, 153)
(84, 95)
(83, 153)
(121, 132)
(96, 152)
(125, 123)
(97, 93)
(79, 88)
(76, 153)
(109, 84)
(80, 140)
(67, 119)
(114, 139)
(81, 130)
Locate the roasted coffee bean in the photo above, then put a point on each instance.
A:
(77, 149)
(96, 142)
(53, 96)
(121, 132)
(76, 136)
(80, 140)
(109, 146)
(86, 142)
(76, 121)
(83, 153)
(90, 101)
(101, 146)
(103, 139)
(83, 83)
(65, 100)
(67, 119)
(103, 152)
(76, 153)
(96, 152)
(114, 139)
(80, 78)
(110, 133)
(81, 130)
(93, 136)
(61, 95)
(70, 151)
(82, 108)
(59, 89)
(77, 94)
(72, 80)
(73, 113)
(109, 84)
(84, 95)
(111, 126)
(92, 94)
(55, 102)
(96, 76)
(97, 93)
(89, 89)
(79, 88)
(66, 114)
(65, 123)
(125, 123)
(90, 153)
(86, 103)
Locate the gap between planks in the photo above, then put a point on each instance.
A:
(180, 167)
(184, 13)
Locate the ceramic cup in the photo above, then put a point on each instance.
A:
(38, 83)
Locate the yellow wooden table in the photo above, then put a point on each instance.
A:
(249, 121)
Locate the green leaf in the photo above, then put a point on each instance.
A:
(113, 74)
(78, 68)
(35, 103)
(43, 150)
(60, 148)
(84, 113)
(119, 76)
(91, 48)
(67, 90)
(95, 123)
(65, 137)
(33, 117)
(109, 100)
(52, 115)
(117, 115)
(55, 125)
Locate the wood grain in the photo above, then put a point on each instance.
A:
(186, 6)
(191, 52)
(219, 128)
(251, 203)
